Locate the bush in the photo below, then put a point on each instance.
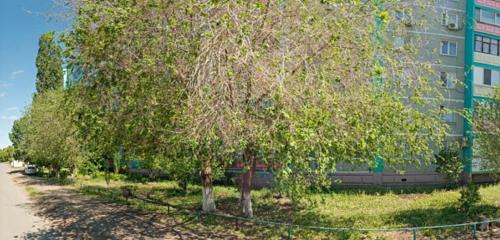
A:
(469, 197)
(449, 163)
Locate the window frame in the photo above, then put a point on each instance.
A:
(444, 17)
(447, 79)
(447, 116)
(496, 17)
(490, 76)
(447, 18)
(481, 41)
(448, 48)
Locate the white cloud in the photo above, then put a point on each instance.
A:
(14, 74)
(9, 117)
(4, 85)
(2, 94)
(12, 109)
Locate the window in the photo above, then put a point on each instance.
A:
(494, 47)
(489, 17)
(447, 18)
(444, 18)
(448, 116)
(479, 44)
(487, 77)
(487, 45)
(486, 16)
(448, 48)
(400, 15)
(447, 79)
(453, 19)
(405, 17)
(399, 42)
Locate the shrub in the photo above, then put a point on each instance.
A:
(449, 163)
(469, 197)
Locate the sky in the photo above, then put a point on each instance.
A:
(21, 24)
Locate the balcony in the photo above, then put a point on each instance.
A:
(487, 28)
(489, 3)
(487, 58)
(485, 81)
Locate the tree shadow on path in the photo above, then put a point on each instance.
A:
(73, 216)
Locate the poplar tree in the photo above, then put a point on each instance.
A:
(49, 64)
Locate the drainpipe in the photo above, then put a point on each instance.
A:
(379, 40)
(469, 89)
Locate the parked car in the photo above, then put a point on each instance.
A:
(30, 169)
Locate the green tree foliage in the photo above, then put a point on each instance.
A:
(487, 123)
(195, 86)
(129, 92)
(279, 84)
(17, 136)
(7, 154)
(51, 134)
(211, 83)
(449, 163)
(49, 64)
(469, 198)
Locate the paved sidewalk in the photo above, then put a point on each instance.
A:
(16, 218)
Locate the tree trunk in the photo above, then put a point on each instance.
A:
(208, 189)
(183, 184)
(246, 186)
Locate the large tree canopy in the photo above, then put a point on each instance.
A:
(298, 85)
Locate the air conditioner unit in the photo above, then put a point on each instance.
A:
(453, 26)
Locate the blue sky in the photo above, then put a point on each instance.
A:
(21, 23)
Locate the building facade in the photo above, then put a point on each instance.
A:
(462, 42)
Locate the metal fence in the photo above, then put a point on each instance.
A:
(467, 230)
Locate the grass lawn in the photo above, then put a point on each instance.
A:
(350, 208)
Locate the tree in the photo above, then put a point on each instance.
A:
(51, 134)
(129, 92)
(279, 84)
(7, 154)
(18, 137)
(49, 64)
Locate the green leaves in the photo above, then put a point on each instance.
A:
(486, 120)
(49, 64)
(7, 154)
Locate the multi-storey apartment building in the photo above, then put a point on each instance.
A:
(462, 42)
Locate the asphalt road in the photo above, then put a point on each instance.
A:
(15, 217)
